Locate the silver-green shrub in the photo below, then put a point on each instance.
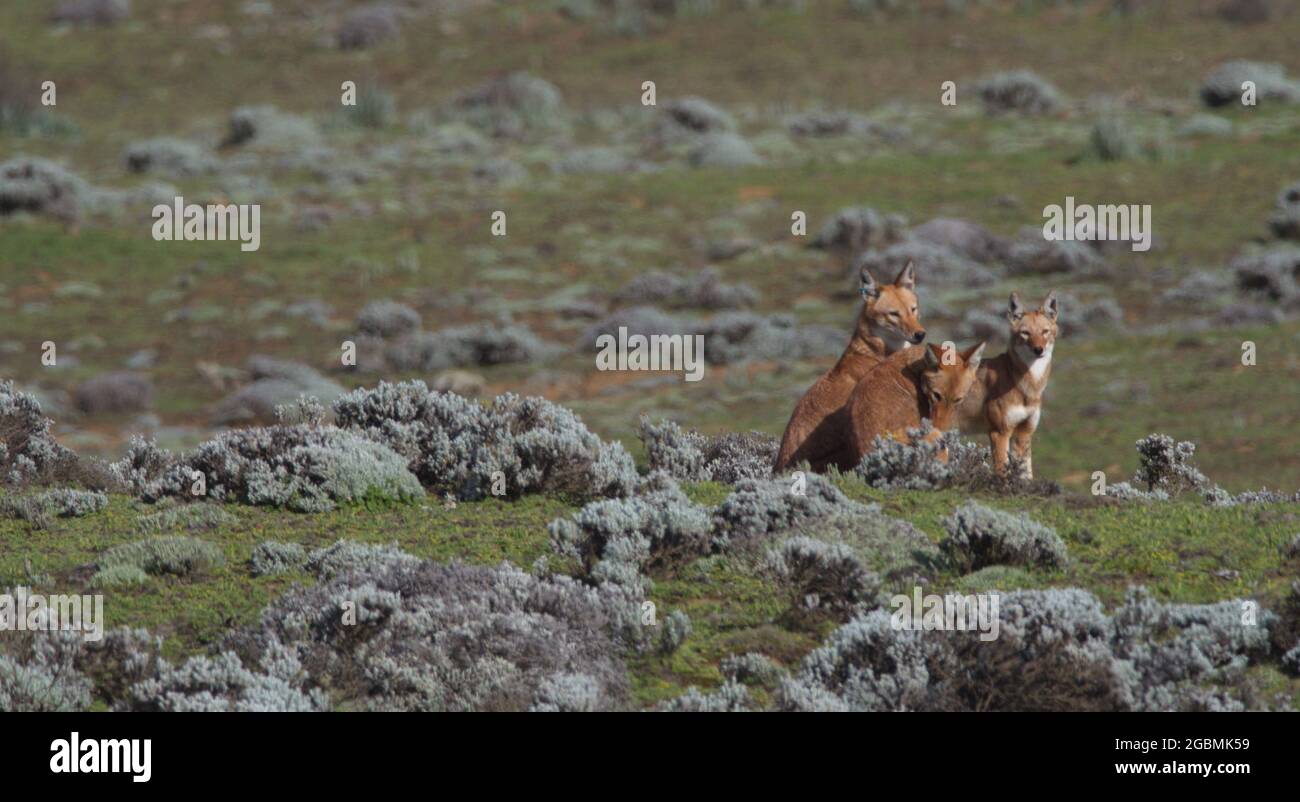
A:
(521, 445)
(1167, 465)
(28, 451)
(702, 290)
(674, 631)
(689, 456)
(751, 667)
(567, 692)
(42, 678)
(274, 557)
(39, 508)
(190, 517)
(176, 555)
(416, 635)
(515, 106)
(343, 556)
(619, 540)
(170, 157)
(463, 346)
(1285, 221)
(979, 536)
(1222, 87)
(1055, 650)
(1020, 91)
(760, 506)
(730, 697)
(224, 684)
(822, 576)
(387, 318)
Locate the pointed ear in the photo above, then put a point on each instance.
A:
(1050, 306)
(972, 356)
(933, 357)
(1015, 310)
(906, 277)
(870, 289)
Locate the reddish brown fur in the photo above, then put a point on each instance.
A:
(902, 390)
(888, 321)
(1007, 399)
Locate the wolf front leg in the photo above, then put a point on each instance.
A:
(998, 443)
(1022, 446)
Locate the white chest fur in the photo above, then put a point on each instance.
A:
(1017, 414)
(1039, 367)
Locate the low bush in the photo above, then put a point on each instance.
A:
(515, 106)
(1223, 86)
(368, 26)
(621, 540)
(1055, 650)
(114, 393)
(689, 456)
(28, 451)
(175, 158)
(463, 346)
(857, 229)
(726, 150)
(758, 507)
(387, 319)
(39, 186)
(1285, 221)
(1020, 91)
(822, 576)
(178, 556)
(275, 557)
(275, 382)
(40, 508)
(703, 290)
(450, 637)
(979, 537)
(455, 445)
(676, 628)
(1165, 464)
(730, 697)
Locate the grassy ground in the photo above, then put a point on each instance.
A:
(1182, 551)
(104, 290)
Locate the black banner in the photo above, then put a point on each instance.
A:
(238, 751)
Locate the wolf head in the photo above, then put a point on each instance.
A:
(946, 377)
(1033, 334)
(890, 311)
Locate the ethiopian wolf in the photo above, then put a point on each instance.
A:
(888, 322)
(1006, 400)
(896, 395)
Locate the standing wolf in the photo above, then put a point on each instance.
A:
(889, 322)
(1007, 398)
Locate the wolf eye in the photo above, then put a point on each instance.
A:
(914, 310)
(893, 315)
